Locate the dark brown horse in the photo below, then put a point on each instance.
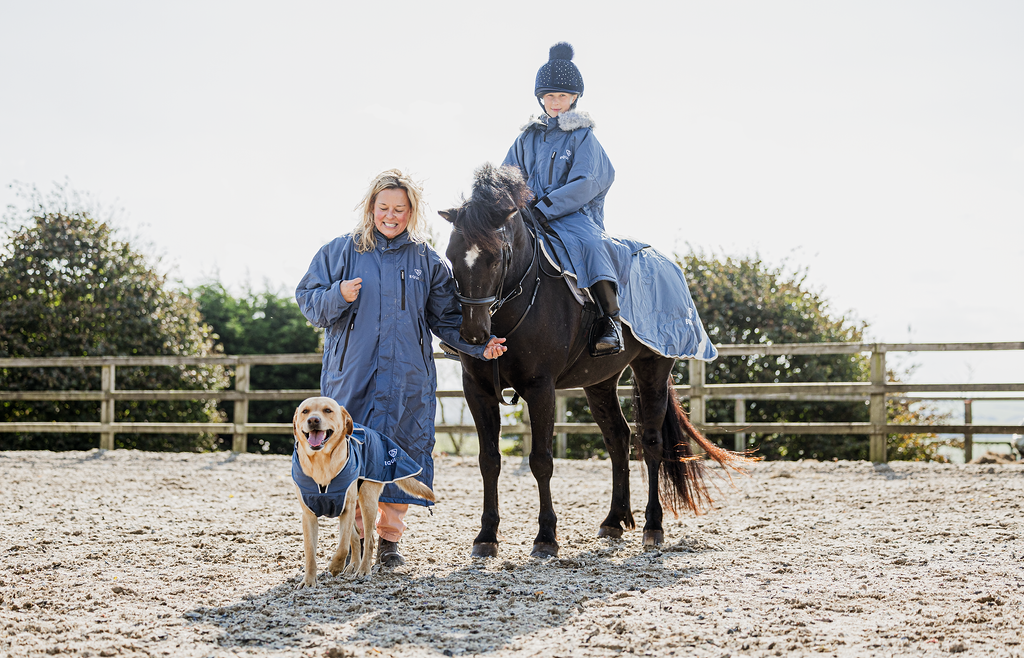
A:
(498, 271)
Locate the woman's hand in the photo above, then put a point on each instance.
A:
(350, 289)
(494, 348)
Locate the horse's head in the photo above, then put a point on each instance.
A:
(480, 245)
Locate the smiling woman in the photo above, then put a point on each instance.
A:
(379, 292)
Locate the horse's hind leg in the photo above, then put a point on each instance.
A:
(651, 376)
(604, 405)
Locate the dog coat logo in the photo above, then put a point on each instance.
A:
(568, 154)
(394, 455)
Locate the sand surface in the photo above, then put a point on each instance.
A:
(125, 553)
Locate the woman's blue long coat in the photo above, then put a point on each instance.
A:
(570, 173)
(378, 353)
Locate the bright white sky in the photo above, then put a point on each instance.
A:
(878, 145)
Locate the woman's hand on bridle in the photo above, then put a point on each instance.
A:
(494, 348)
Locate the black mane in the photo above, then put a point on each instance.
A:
(497, 192)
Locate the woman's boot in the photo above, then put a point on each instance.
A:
(606, 333)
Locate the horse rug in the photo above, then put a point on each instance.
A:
(654, 301)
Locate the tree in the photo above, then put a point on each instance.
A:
(263, 323)
(70, 286)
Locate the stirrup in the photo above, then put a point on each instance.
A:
(605, 336)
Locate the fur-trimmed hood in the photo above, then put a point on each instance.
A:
(567, 121)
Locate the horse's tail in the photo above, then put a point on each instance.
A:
(682, 481)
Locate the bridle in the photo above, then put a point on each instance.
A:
(495, 302)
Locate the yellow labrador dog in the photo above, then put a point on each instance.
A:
(335, 465)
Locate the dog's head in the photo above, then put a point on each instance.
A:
(321, 424)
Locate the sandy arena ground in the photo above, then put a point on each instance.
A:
(140, 554)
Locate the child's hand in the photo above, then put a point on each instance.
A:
(350, 289)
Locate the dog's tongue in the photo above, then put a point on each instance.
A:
(316, 439)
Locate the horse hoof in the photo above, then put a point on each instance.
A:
(653, 537)
(544, 550)
(611, 532)
(485, 549)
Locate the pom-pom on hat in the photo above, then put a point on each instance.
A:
(559, 73)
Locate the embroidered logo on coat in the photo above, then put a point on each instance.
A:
(394, 455)
(568, 154)
(416, 274)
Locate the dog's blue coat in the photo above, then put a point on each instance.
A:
(372, 456)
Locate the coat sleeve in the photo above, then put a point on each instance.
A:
(516, 156)
(319, 291)
(591, 174)
(444, 315)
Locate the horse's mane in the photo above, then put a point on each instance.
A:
(497, 191)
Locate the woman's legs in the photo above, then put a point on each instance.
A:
(390, 526)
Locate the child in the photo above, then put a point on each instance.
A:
(570, 174)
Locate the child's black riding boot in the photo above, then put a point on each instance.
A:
(606, 334)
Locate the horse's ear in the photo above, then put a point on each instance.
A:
(449, 214)
(511, 215)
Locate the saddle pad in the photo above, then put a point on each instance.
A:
(655, 302)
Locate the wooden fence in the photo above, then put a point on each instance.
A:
(698, 392)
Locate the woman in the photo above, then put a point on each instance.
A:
(570, 173)
(379, 292)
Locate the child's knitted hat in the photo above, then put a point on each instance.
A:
(559, 73)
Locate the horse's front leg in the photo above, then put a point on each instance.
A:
(541, 402)
(484, 408)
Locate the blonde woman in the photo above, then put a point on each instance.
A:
(379, 292)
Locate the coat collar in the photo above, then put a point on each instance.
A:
(567, 121)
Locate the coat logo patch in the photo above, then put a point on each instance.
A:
(416, 274)
(568, 154)
(394, 455)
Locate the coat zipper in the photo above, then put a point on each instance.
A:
(551, 168)
(348, 334)
(403, 291)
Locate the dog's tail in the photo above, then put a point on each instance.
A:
(414, 487)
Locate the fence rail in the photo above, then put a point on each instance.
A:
(698, 392)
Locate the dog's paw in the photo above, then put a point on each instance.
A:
(307, 581)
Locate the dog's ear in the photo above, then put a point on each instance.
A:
(348, 425)
(295, 422)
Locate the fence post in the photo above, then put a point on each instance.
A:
(561, 439)
(527, 438)
(107, 384)
(697, 392)
(877, 441)
(239, 440)
(697, 374)
(740, 417)
(968, 436)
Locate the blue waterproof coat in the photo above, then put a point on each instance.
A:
(378, 353)
(570, 174)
